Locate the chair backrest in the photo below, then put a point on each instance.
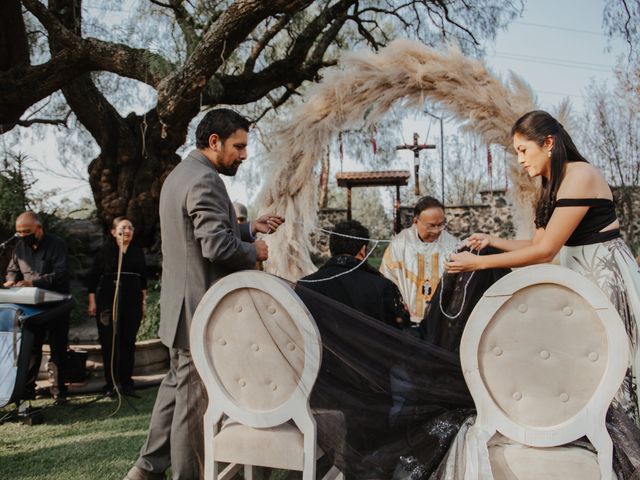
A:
(256, 348)
(543, 354)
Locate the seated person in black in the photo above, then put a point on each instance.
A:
(348, 280)
(40, 260)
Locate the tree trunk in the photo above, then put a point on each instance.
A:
(126, 177)
(14, 49)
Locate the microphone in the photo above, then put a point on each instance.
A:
(9, 240)
(120, 239)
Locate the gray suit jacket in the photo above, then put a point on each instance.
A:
(201, 243)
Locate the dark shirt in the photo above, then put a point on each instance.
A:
(601, 214)
(45, 266)
(103, 274)
(364, 289)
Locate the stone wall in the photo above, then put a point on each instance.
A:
(494, 215)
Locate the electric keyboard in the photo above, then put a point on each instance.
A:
(30, 296)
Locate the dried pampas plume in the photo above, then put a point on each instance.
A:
(363, 89)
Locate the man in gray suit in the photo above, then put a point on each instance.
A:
(201, 243)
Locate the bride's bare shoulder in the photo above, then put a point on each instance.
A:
(583, 180)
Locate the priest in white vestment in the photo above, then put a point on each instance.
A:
(414, 260)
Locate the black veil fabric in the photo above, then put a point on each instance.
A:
(399, 395)
(402, 399)
(453, 301)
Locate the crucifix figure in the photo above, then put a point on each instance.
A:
(416, 148)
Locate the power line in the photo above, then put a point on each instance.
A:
(564, 29)
(546, 92)
(576, 62)
(524, 58)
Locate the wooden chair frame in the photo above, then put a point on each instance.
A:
(590, 420)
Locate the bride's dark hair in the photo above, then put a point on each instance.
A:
(536, 126)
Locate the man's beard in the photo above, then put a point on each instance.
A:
(231, 170)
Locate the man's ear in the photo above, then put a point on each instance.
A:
(214, 141)
(362, 252)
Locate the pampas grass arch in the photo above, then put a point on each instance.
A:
(363, 89)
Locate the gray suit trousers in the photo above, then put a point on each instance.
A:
(175, 435)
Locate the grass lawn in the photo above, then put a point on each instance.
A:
(76, 441)
(82, 442)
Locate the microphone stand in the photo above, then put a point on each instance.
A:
(4, 244)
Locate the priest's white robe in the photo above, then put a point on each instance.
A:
(416, 266)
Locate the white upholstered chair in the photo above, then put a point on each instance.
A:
(543, 354)
(258, 351)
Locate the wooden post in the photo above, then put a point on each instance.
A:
(396, 210)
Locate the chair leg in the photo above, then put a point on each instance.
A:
(604, 446)
(210, 466)
(249, 472)
(309, 463)
(210, 429)
(230, 471)
(333, 474)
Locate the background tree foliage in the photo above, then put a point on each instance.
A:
(132, 75)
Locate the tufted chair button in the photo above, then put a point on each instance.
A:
(222, 342)
(291, 346)
(273, 386)
(564, 397)
(497, 351)
(255, 347)
(567, 311)
(522, 308)
(242, 382)
(271, 309)
(545, 354)
(238, 308)
(517, 396)
(593, 356)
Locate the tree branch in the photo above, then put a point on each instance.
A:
(264, 41)
(304, 60)
(179, 93)
(275, 103)
(46, 121)
(21, 87)
(136, 63)
(184, 20)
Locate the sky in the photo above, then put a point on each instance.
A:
(557, 48)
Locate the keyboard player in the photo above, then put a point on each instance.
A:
(39, 259)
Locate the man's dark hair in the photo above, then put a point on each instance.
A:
(424, 203)
(223, 122)
(339, 245)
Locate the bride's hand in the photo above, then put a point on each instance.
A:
(478, 241)
(463, 262)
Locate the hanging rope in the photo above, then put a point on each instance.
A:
(376, 242)
(114, 322)
(464, 295)
(362, 262)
